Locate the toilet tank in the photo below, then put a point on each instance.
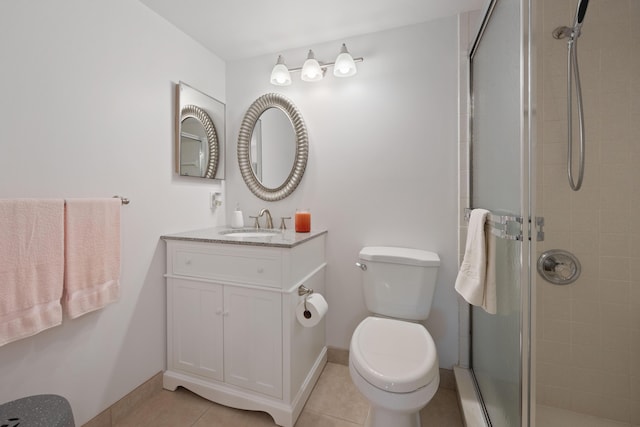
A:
(399, 282)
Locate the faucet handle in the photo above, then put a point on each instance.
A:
(257, 222)
(283, 226)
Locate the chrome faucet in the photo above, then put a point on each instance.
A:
(269, 223)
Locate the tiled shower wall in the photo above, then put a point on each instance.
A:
(588, 333)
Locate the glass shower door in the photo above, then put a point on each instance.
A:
(499, 183)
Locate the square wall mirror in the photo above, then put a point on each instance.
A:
(200, 134)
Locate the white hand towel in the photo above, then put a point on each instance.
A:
(476, 278)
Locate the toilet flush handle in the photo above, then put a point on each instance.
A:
(363, 267)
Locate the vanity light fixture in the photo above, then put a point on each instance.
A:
(312, 70)
(280, 75)
(345, 66)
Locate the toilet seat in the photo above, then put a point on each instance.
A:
(394, 355)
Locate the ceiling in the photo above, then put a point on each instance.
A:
(237, 29)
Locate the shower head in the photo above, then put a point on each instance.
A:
(573, 32)
(581, 11)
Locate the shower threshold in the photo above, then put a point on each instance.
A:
(470, 406)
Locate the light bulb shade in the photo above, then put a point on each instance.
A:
(280, 74)
(311, 70)
(344, 66)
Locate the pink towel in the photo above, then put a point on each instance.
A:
(92, 254)
(31, 266)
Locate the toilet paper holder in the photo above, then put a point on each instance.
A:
(303, 290)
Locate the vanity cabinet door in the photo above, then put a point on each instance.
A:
(253, 339)
(195, 319)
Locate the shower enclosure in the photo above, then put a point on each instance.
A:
(554, 354)
(501, 136)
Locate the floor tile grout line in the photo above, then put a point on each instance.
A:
(209, 407)
(343, 419)
(335, 417)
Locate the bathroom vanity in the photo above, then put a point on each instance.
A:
(232, 332)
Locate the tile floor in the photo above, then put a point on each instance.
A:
(334, 402)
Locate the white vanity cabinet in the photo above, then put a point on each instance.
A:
(253, 340)
(195, 328)
(217, 331)
(232, 334)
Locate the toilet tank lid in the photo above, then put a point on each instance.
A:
(397, 255)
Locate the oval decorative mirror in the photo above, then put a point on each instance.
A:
(198, 143)
(273, 147)
(200, 134)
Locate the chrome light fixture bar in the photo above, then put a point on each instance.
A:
(313, 71)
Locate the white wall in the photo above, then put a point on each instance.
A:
(87, 110)
(382, 166)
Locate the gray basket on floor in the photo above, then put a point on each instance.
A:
(43, 410)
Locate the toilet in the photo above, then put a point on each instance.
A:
(392, 359)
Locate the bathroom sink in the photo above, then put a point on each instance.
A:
(250, 233)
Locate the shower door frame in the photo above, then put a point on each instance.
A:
(527, 202)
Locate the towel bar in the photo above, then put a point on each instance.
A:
(509, 227)
(124, 200)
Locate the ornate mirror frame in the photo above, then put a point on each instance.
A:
(272, 100)
(195, 112)
(210, 114)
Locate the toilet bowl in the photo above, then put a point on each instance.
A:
(392, 359)
(394, 364)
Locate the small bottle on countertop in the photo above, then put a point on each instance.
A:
(237, 220)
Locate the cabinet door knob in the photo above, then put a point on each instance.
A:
(225, 313)
(219, 311)
(188, 262)
(260, 270)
